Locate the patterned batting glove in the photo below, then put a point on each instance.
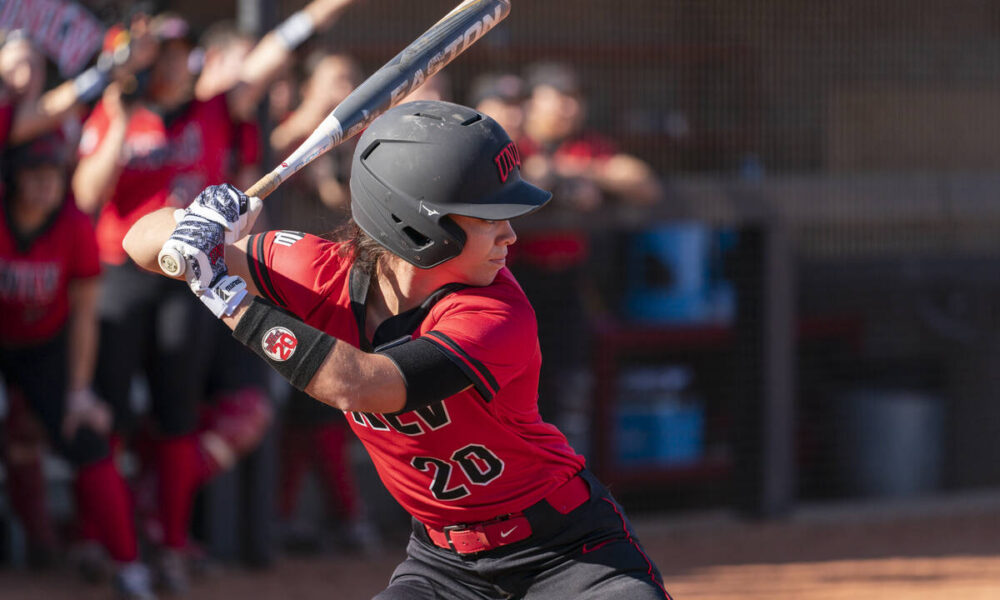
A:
(227, 206)
(202, 244)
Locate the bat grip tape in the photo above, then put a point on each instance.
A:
(294, 349)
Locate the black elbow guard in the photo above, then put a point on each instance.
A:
(294, 349)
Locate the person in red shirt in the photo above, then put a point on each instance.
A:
(155, 145)
(48, 337)
(419, 333)
(585, 171)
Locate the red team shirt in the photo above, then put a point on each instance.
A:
(165, 163)
(560, 248)
(35, 276)
(479, 454)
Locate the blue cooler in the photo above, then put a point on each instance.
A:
(671, 276)
(659, 434)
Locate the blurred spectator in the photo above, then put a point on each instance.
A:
(314, 436)
(222, 49)
(151, 142)
(35, 111)
(48, 342)
(437, 87)
(283, 95)
(584, 170)
(501, 96)
(317, 199)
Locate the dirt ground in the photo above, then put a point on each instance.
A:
(945, 547)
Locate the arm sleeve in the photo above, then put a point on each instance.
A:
(291, 269)
(490, 338)
(430, 374)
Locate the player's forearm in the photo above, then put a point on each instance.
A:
(630, 179)
(145, 238)
(276, 48)
(83, 333)
(326, 368)
(97, 175)
(46, 114)
(356, 381)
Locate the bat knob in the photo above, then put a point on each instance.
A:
(171, 262)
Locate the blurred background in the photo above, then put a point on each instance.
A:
(768, 281)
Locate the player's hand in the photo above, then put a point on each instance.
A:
(227, 206)
(84, 408)
(202, 244)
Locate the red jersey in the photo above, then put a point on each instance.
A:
(479, 454)
(558, 249)
(35, 274)
(165, 163)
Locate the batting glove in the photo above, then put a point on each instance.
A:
(227, 206)
(202, 244)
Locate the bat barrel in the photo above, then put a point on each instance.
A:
(427, 55)
(424, 57)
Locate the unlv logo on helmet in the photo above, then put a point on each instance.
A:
(508, 158)
(279, 343)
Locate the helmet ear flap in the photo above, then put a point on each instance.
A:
(453, 230)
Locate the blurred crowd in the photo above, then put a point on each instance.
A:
(160, 113)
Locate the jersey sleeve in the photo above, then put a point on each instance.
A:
(292, 269)
(490, 335)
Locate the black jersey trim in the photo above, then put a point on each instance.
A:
(396, 326)
(479, 370)
(258, 268)
(358, 286)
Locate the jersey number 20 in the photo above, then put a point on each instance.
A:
(479, 465)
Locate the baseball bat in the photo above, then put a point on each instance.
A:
(424, 57)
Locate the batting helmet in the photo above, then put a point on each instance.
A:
(422, 161)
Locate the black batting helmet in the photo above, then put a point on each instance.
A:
(422, 161)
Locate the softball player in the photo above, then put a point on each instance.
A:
(418, 332)
(49, 274)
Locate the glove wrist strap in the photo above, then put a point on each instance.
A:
(224, 296)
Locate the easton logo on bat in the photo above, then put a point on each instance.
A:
(279, 344)
(508, 158)
(453, 49)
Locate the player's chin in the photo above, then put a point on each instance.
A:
(485, 276)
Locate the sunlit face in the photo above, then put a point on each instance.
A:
(553, 115)
(332, 80)
(484, 252)
(41, 188)
(22, 68)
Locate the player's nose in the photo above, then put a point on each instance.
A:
(506, 236)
